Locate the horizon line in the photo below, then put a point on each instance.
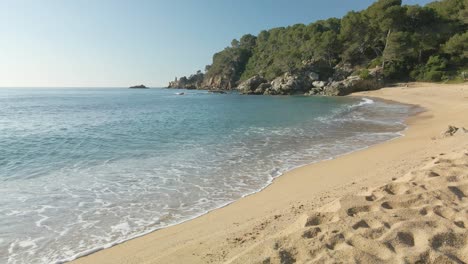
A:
(6, 87)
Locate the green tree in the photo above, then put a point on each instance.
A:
(356, 37)
(327, 48)
(248, 42)
(423, 22)
(385, 18)
(422, 42)
(457, 46)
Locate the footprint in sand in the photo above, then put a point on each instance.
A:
(419, 218)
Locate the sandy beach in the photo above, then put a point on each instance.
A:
(404, 200)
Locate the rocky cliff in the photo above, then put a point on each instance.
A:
(202, 82)
(194, 81)
(342, 82)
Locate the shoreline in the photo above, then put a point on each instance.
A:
(206, 235)
(414, 110)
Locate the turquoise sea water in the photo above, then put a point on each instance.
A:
(83, 169)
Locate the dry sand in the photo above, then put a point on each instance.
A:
(400, 201)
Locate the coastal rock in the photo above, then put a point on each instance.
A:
(253, 85)
(141, 86)
(303, 82)
(287, 84)
(269, 91)
(315, 91)
(350, 85)
(306, 81)
(177, 83)
(262, 88)
(319, 84)
(194, 81)
(218, 82)
(341, 72)
(313, 76)
(217, 91)
(376, 72)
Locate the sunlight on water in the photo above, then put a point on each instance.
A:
(85, 169)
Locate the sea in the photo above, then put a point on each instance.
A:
(82, 169)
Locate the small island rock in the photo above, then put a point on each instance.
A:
(141, 86)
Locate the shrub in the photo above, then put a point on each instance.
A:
(433, 71)
(375, 62)
(417, 73)
(396, 71)
(433, 76)
(436, 63)
(364, 74)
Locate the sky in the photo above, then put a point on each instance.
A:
(118, 43)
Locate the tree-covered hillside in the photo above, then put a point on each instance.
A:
(401, 42)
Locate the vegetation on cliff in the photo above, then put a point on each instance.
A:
(406, 42)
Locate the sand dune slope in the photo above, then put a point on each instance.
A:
(419, 218)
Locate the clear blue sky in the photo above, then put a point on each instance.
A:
(117, 43)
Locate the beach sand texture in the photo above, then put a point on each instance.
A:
(404, 200)
(418, 218)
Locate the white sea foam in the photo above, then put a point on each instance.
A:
(122, 228)
(365, 101)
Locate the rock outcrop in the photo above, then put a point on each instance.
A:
(253, 85)
(341, 71)
(319, 84)
(218, 82)
(286, 84)
(195, 81)
(350, 85)
(343, 83)
(201, 81)
(307, 81)
(217, 91)
(141, 86)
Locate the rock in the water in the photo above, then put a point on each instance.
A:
(141, 86)
(262, 88)
(253, 85)
(217, 91)
(288, 84)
